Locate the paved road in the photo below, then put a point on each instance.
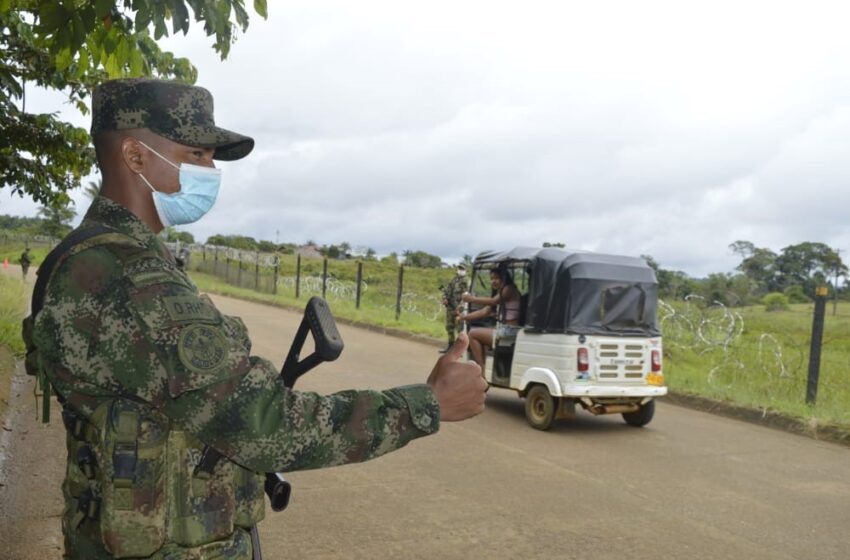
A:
(689, 485)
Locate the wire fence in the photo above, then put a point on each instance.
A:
(370, 284)
(765, 354)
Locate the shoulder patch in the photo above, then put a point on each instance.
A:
(152, 277)
(202, 348)
(190, 308)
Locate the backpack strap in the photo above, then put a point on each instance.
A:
(45, 271)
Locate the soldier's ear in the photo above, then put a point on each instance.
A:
(133, 154)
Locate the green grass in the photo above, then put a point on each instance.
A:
(764, 363)
(13, 253)
(13, 302)
(376, 308)
(422, 312)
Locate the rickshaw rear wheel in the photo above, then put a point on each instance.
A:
(642, 416)
(539, 407)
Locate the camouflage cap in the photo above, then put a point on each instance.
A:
(176, 111)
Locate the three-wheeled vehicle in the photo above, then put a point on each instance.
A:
(589, 334)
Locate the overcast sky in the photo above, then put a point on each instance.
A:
(663, 128)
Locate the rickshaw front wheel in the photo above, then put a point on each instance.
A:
(539, 407)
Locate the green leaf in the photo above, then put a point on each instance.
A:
(63, 59)
(261, 8)
(180, 17)
(103, 8)
(143, 18)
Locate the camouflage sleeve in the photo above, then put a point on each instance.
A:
(238, 404)
(149, 335)
(164, 343)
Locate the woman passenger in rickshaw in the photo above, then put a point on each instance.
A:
(503, 305)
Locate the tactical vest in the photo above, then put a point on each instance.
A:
(131, 485)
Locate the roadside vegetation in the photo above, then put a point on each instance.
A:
(758, 357)
(13, 298)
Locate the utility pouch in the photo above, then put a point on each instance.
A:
(133, 480)
(203, 506)
(250, 497)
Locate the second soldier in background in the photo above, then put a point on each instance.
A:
(452, 294)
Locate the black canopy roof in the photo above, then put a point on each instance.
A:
(581, 292)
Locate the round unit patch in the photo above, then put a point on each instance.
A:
(202, 348)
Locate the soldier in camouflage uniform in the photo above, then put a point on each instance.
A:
(26, 261)
(452, 301)
(149, 372)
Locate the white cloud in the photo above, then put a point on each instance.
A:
(662, 128)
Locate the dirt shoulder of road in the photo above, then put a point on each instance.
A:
(7, 367)
(765, 417)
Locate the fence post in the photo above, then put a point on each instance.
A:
(204, 253)
(814, 350)
(359, 280)
(298, 276)
(257, 273)
(276, 275)
(398, 294)
(324, 277)
(239, 268)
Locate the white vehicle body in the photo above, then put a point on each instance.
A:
(619, 376)
(588, 334)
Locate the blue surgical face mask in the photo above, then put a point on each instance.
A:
(198, 190)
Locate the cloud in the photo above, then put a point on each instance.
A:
(652, 128)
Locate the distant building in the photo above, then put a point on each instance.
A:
(311, 251)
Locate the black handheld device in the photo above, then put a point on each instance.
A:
(318, 322)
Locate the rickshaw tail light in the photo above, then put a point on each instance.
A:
(656, 360)
(582, 361)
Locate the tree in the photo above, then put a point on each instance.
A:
(57, 219)
(72, 46)
(171, 234)
(809, 265)
(673, 284)
(422, 259)
(392, 258)
(235, 241)
(92, 190)
(547, 244)
(758, 264)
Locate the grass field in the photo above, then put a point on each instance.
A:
(758, 358)
(13, 301)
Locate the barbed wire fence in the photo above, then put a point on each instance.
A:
(714, 333)
(266, 273)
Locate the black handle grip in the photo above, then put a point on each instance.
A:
(278, 489)
(319, 322)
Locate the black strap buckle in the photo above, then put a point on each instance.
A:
(88, 506)
(86, 461)
(73, 423)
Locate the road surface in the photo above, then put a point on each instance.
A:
(688, 486)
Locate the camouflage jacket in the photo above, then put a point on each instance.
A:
(121, 320)
(454, 290)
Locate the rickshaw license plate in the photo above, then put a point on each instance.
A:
(624, 362)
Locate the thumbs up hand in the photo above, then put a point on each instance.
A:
(458, 384)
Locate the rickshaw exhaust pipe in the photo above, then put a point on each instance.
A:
(599, 409)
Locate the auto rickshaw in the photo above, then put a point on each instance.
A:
(588, 336)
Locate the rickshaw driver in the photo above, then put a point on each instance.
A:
(504, 306)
